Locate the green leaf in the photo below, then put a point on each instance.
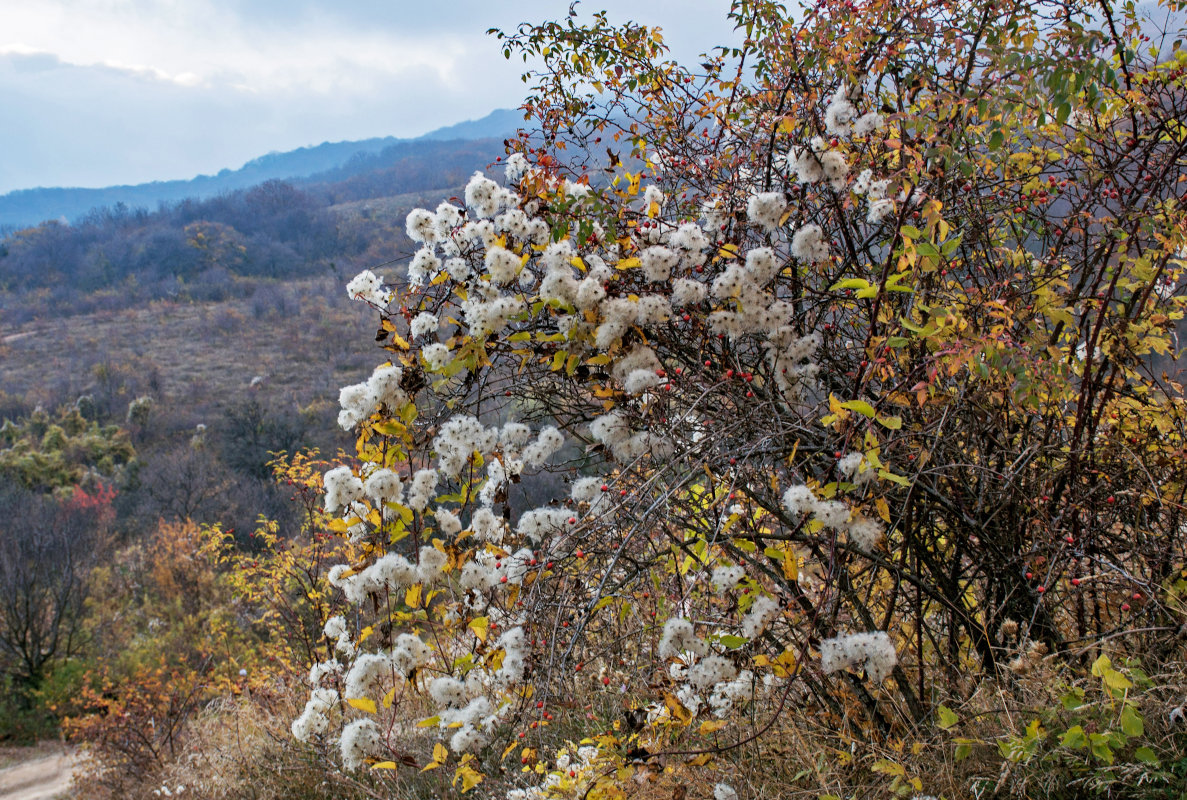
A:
(964, 749)
(1075, 738)
(928, 250)
(890, 476)
(850, 283)
(1072, 700)
(893, 423)
(1098, 744)
(1146, 756)
(732, 642)
(860, 406)
(1116, 681)
(946, 717)
(1132, 722)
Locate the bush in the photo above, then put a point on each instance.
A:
(853, 347)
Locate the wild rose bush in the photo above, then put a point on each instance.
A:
(851, 360)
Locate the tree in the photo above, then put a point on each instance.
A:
(47, 549)
(849, 350)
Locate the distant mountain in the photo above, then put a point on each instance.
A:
(342, 160)
(499, 123)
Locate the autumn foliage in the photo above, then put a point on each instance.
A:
(824, 392)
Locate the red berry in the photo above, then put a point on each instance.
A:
(1075, 581)
(580, 554)
(605, 488)
(605, 681)
(1125, 606)
(1029, 575)
(1041, 589)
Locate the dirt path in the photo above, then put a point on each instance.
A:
(40, 779)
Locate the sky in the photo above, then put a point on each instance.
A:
(104, 92)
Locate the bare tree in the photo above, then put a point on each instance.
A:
(47, 549)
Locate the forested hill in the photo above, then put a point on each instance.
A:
(210, 249)
(340, 160)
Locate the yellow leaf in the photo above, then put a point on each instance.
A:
(412, 596)
(363, 704)
(883, 508)
(480, 625)
(728, 251)
(389, 698)
(384, 765)
(677, 708)
(711, 725)
(440, 754)
(469, 777)
(364, 633)
(889, 768)
(791, 567)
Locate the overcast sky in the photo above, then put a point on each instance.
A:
(102, 92)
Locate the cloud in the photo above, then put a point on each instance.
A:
(118, 91)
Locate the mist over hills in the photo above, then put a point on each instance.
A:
(326, 162)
